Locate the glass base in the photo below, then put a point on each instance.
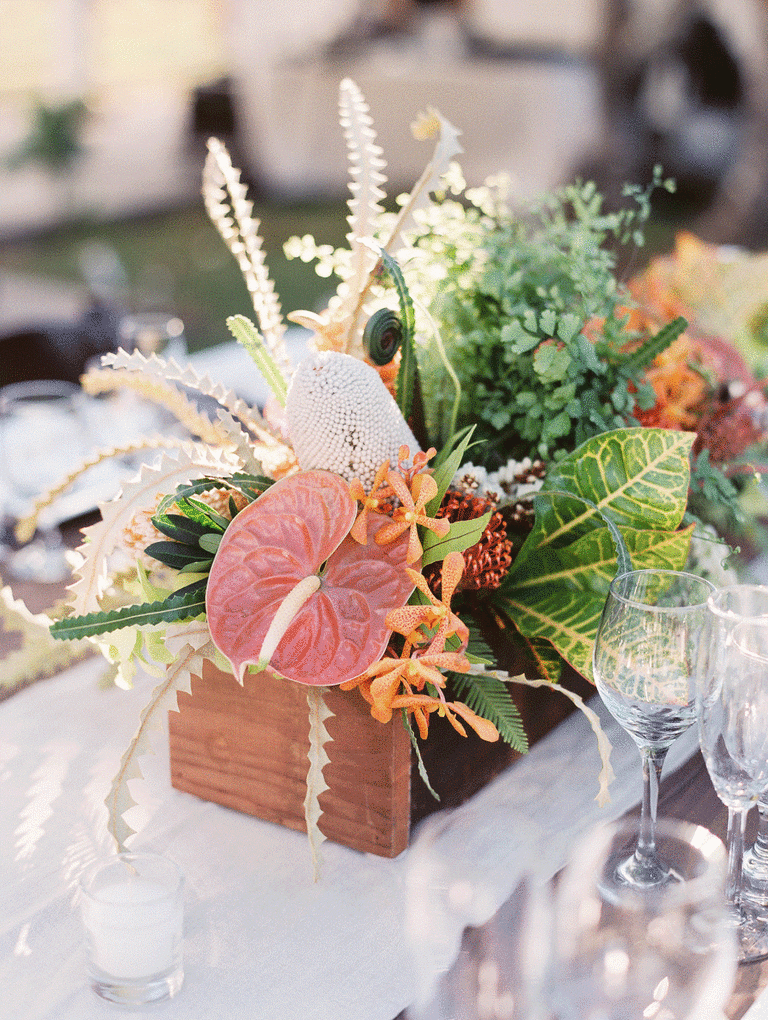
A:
(752, 931)
(622, 873)
(138, 991)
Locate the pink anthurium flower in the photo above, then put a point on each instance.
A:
(289, 587)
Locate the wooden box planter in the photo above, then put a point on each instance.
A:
(246, 748)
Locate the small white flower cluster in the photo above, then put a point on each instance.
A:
(509, 485)
(342, 418)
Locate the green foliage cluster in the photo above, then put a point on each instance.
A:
(54, 138)
(511, 303)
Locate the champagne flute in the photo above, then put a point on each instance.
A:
(732, 711)
(42, 431)
(754, 868)
(643, 662)
(664, 951)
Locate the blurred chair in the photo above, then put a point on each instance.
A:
(57, 350)
(684, 87)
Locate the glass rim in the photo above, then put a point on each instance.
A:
(628, 600)
(30, 388)
(732, 614)
(128, 858)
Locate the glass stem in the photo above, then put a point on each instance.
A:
(653, 762)
(735, 842)
(760, 846)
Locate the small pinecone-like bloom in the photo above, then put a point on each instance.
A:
(141, 532)
(489, 559)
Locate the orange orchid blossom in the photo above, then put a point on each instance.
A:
(397, 682)
(437, 613)
(382, 681)
(411, 513)
(374, 502)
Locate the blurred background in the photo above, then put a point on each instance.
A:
(105, 106)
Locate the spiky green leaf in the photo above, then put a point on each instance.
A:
(244, 331)
(176, 607)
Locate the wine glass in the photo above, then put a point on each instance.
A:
(160, 333)
(476, 922)
(754, 868)
(644, 657)
(732, 711)
(663, 951)
(42, 432)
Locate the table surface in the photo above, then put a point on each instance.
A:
(263, 940)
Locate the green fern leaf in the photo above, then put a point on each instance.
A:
(655, 345)
(490, 698)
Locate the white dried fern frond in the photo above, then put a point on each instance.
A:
(177, 678)
(158, 391)
(249, 417)
(231, 212)
(319, 713)
(39, 654)
(607, 775)
(154, 482)
(25, 526)
(366, 167)
(446, 149)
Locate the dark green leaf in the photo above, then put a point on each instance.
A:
(173, 554)
(176, 607)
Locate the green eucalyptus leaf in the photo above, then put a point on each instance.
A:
(210, 542)
(463, 535)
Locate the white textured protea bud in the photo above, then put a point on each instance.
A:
(341, 417)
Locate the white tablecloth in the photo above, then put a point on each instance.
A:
(263, 941)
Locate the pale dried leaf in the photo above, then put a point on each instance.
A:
(366, 166)
(446, 149)
(142, 493)
(231, 213)
(177, 678)
(319, 713)
(158, 392)
(25, 526)
(606, 774)
(249, 417)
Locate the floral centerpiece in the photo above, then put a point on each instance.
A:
(457, 462)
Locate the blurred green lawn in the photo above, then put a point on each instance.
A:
(178, 262)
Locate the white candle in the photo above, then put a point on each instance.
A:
(134, 928)
(133, 915)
